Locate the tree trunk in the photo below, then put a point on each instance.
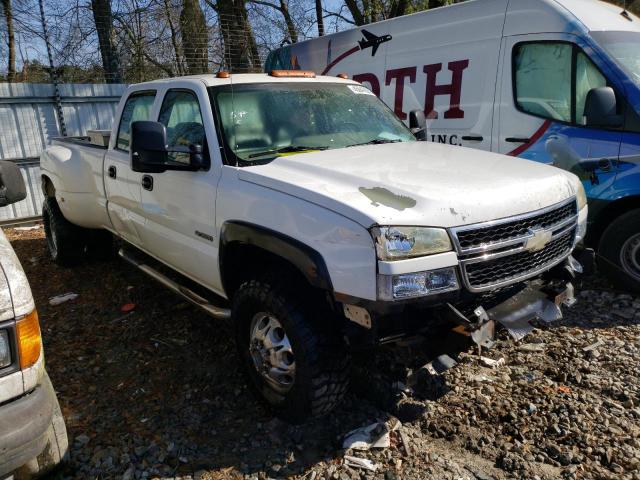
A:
(354, 9)
(103, 19)
(291, 28)
(174, 39)
(195, 37)
(240, 48)
(11, 42)
(319, 18)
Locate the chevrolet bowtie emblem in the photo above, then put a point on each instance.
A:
(538, 240)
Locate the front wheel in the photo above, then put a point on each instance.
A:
(293, 359)
(620, 251)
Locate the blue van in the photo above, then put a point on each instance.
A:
(553, 81)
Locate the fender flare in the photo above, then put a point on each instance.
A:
(307, 260)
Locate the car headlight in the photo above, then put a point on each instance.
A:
(581, 197)
(417, 284)
(395, 243)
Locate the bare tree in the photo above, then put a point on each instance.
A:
(11, 41)
(103, 19)
(283, 8)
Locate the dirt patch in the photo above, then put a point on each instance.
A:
(157, 393)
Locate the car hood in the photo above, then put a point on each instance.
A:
(15, 295)
(416, 183)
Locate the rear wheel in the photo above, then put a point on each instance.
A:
(619, 250)
(293, 359)
(66, 242)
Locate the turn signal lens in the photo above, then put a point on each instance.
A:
(29, 340)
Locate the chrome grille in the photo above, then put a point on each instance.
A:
(503, 269)
(503, 252)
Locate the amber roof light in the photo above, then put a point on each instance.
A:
(223, 75)
(293, 73)
(343, 75)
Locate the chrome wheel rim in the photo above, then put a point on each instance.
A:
(630, 256)
(271, 352)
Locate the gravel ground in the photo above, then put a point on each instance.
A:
(157, 393)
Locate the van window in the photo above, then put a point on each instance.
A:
(180, 113)
(138, 107)
(543, 79)
(587, 77)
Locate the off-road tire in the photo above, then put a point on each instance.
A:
(66, 242)
(322, 362)
(610, 248)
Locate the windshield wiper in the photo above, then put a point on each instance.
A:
(288, 149)
(375, 141)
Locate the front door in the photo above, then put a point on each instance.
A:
(122, 185)
(545, 83)
(179, 206)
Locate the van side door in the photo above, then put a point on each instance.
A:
(122, 185)
(545, 82)
(179, 206)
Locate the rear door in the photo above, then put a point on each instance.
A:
(122, 185)
(179, 206)
(545, 81)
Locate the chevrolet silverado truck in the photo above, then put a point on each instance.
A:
(33, 437)
(302, 209)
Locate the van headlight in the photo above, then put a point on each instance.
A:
(396, 243)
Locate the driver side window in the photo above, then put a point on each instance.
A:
(552, 80)
(180, 114)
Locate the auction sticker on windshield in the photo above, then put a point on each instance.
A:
(360, 90)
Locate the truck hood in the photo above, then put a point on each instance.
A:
(415, 183)
(15, 295)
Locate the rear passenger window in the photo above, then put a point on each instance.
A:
(138, 107)
(180, 113)
(543, 79)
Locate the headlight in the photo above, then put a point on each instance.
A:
(395, 243)
(581, 197)
(5, 350)
(418, 284)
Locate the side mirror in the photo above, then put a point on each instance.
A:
(418, 124)
(600, 108)
(12, 188)
(150, 153)
(148, 147)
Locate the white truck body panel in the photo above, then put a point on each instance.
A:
(327, 200)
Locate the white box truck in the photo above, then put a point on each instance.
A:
(554, 81)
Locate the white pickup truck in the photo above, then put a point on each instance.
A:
(304, 210)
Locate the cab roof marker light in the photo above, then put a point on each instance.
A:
(293, 73)
(223, 74)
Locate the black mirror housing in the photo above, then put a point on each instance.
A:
(148, 147)
(150, 153)
(12, 187)
(418, 124)
(600, 108)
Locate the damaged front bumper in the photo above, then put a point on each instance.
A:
(515, 308)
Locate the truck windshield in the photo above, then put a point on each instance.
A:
(624, 48)
(263, 121)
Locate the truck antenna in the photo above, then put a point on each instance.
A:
(624, 12)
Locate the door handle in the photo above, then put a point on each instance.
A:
(517, 140)
(472, 138)
(147, 182)
(111, 171)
